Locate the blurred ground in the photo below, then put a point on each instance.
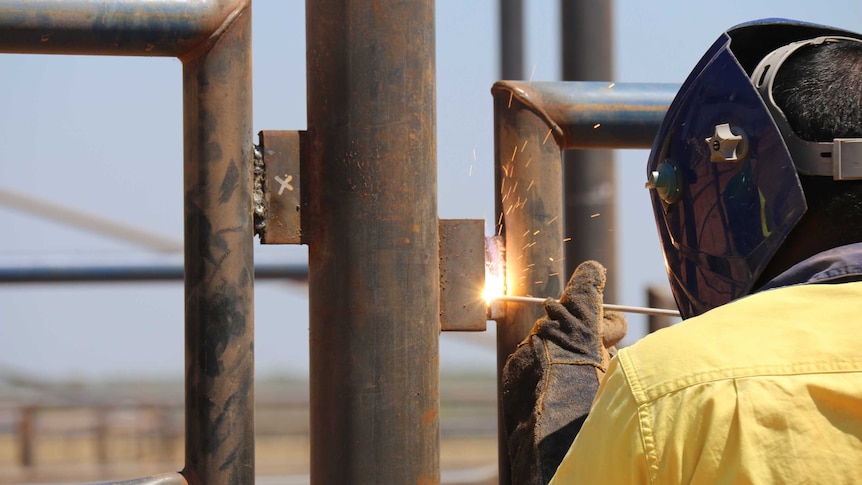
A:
(76, 432)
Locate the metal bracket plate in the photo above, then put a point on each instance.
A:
(281, 151)
(462, 275)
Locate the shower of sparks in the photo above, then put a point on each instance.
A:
(495, 270)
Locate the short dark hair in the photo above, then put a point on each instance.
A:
(819, 89)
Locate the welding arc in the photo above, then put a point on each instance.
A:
(661, 312)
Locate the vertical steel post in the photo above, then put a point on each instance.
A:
(373, 242)
(533, 122)
(511, 39)
(589, 178)
(219, 264)
(529, 204)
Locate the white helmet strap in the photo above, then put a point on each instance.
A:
(841, 158)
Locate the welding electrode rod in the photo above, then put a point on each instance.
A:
(614, 308)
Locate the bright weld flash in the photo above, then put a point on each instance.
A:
(495, 269)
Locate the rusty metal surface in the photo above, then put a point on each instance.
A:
(373, 242)
(532, 124)
(219, 263)
(594, 114)
(529, 205)
(170, 28)
(213, 39)
(462, 275)
(282, 187)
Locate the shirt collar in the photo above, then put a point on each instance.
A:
(836, 265)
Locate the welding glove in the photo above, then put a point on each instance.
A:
(549, 382)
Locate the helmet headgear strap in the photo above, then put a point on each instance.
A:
(841, 158)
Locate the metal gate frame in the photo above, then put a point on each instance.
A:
(213, 41)
(371, 228)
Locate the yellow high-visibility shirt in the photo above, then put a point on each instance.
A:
(766, 389)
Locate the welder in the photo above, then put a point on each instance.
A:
(755, 177)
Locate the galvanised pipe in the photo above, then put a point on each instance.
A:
(589, 186)
(169, 28)
(533, 123)
(371, 175)
(219, 262)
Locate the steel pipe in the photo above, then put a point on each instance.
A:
(511, 37)
(213, 39)
(373, 241)
(219, 262)
(589, 175)
(77, 269)
(594, 114)
(172, 28)
(529, 206)
(533, 122)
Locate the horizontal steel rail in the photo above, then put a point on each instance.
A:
(78, 269)
(168, 28)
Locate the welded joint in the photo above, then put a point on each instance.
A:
(277, 187)
(462, 275)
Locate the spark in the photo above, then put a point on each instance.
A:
(525, 233)
(524, 146)
(552, 220)
(495, 269)
(528, 162)
(532, 182)
(471, 170)
(474, 154)
(515, 152)
(554, 274)
(597, 214)
(547, 136)
(596, 125)
(515, 187)
(511, 95)
(538, 282)
(611, 85)
(537, 232)
(533, 73)
(567, 239)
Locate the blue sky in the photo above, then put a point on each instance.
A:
(104, 135)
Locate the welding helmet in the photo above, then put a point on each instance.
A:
(723, 167)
